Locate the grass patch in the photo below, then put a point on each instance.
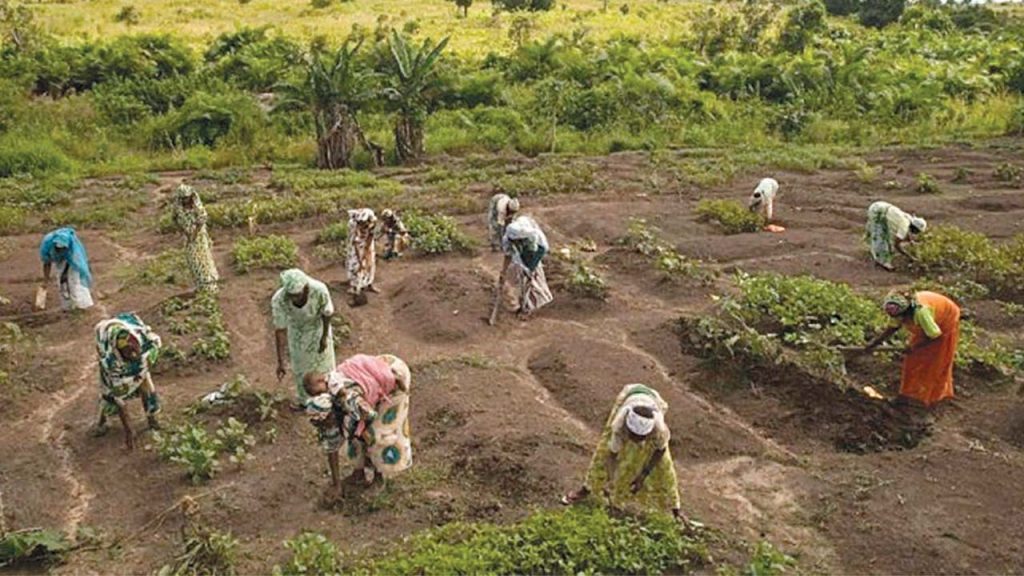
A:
(34, 156)
(271, 252)
(731, 216)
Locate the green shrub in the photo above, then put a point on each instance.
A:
(36, 155)
(129, 15)
(312, 553)
(203, 119)
(880, 13)
(575, 541)
(926, 184)
(13, 220)
(531, 5)
(436, 233)
(271, 252)
(730, 215)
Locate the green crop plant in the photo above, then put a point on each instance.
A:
(926, 184)
(333, 233)
(644, 239)
(411, 90)
(1007, 172)
(311, 553)
(580, 540)
(235, 440)
(574, 178)
(208, 552)
(436, 234)
(192, 447)
(767, 560)
(586, 282)
(731, 216)
(955, 256)
(264, 252)
(20, 548)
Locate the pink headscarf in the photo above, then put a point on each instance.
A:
(373, 375)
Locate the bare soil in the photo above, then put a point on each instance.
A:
(504, 419)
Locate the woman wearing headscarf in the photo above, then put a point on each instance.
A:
(302, 310)
(394, 232)
(632, 467)
(763, 199)
(525, 246)
(190, 216)
(501, 210)
(74, 279)
(361, 262)
(127, 348)
(363, 404)
(933, 321)
(888, 229)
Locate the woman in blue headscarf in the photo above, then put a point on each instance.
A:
(63, 248)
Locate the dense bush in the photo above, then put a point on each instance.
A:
(880, 13)
(533, 5)
(205, 118)
(249, 59)
(274, 252)
(730, 215)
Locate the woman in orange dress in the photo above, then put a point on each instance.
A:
(933, 321)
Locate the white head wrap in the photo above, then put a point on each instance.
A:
(918, 223)
(638, 424)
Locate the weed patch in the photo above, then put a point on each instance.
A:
(271, 252)
(549, 179)
(926, 184)
(952, 255)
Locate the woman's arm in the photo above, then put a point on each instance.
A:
(881, 338)
(656, 457)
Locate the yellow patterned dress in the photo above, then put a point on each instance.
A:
(627, 457)
(190, 216)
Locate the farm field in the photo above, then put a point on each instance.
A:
(634, 132)
(504, 418)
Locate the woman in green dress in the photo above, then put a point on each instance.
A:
(190, 216)
(632, 468)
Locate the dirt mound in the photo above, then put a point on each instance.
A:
(443, 305)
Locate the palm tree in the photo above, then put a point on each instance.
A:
(413, 73)
(333, 89)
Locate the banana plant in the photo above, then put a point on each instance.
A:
(334, 89)
(413, 70)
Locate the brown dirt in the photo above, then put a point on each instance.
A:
(505, 419)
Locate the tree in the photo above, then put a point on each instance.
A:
(464, 4)
(803, 23)
(413, 72)
(17, 26)
(880, 13)
(531, 5)
(842, 7)
(333, 89)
